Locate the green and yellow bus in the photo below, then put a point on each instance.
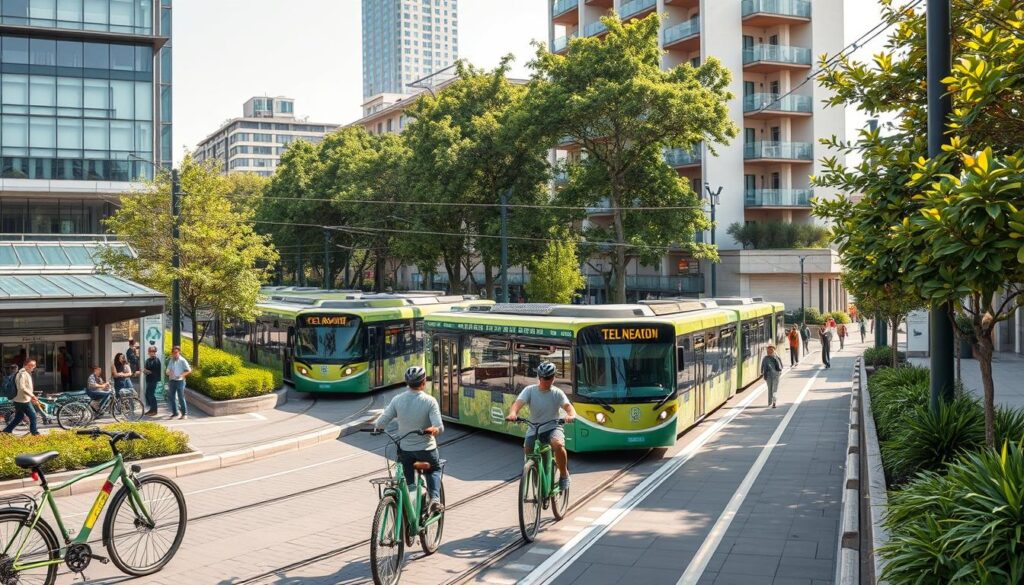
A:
(638, 375)
(340, 341)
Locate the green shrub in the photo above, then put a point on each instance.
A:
(880, 357)
(1009, 425)
(243, 384)
(78, 452)
(772, 235)
(225, 376)
(813, 316)
(926, 441)
(839, 317)
(896, 392)
(960, 528)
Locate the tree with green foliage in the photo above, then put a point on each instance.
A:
(468, 145)
(611, 96)
(555, 275)
(223, 261)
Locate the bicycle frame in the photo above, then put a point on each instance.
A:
(46, 500)
(545, 468)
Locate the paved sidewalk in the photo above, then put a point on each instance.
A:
(720, 519)
(1007, 372)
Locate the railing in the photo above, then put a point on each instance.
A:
(682, 30)
(690, 284)
(630, 8)
(777, 197)
(563, 6)
(797, 8)
(778, 150)
(679, 157)
(561, 42)
(774, 103)
(777, 54)
(595, 28)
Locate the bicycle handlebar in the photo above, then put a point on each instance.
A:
(560, 421)
(114, 437)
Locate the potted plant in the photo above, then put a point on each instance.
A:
(965, 333)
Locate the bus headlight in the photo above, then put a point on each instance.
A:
(663, 415)
(303, 371)
(601, 418)
(348, 371)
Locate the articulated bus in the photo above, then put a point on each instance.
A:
(340, 341)
(638, 375)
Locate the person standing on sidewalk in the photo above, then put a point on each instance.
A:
(805, 336)
(842, 336)
(64, 363)
(794, 346)
(152, 371)
(24, 400)
(826, 346)
(771, 369)
(177, 370)
(863, 330)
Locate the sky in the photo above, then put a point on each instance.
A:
(226, 51)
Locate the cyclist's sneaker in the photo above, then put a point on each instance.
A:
(435, 506)
(563, 484)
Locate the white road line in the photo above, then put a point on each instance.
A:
(539, 551)
(596, 509)
(257, 416)
(714, 538)
(611, 498)
(582, 519)
(571, 551)
(518, 567)
(499, 580)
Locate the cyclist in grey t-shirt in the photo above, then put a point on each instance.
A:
(545, 400)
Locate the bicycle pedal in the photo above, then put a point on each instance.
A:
(103, 560)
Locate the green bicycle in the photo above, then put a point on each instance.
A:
(401, 517)
(142, 530)
(538, 486)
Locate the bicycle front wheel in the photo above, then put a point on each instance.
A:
(560, 499)
(529, 501)
(430, 538)
(73, 415)
(386, 551)
(127, 409)
(40, 545)
(137, 547)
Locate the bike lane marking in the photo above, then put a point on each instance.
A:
(700, 560)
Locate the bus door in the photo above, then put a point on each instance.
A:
(699, 377)
(375, 355)
(446, 373)
(288, 356)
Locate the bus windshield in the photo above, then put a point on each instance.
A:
(625, 363)
(329, 338)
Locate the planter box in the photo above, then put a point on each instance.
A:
(237, 406)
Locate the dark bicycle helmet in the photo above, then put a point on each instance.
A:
(415, 375)
(546, 370)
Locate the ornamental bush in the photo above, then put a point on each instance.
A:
(926, 440)
(225, 376)
(881, 357)
(839, 317)
(79, 452)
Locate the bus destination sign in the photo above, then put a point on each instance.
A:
(629, 333)
(325, 320)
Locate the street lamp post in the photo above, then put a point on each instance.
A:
(713, 200)
(803, 311)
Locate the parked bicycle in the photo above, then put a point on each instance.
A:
(123, 405)
(142, 530)
(401, 516)
(538, 487)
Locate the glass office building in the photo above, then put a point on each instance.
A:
(85, 108)
(406, 40)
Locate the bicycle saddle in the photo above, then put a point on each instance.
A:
(26, 461)
(421, 466)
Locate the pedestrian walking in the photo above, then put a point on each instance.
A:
(826, 347)
(794, 346)
(805, 336)
(64, 363)
(152, 370)
(24, 399)
(863, 330)
(771, 369)
(177, 370)
(842, 336)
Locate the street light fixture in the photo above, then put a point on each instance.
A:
(713, 200)
(803, 311)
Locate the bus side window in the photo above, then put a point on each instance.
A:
(684, 368)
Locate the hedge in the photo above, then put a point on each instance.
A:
(225, 376)
(79, 452)
(880, 357)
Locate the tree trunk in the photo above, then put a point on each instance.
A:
(488, 292)
(357, 278)
(983, 353)
(619, 259)
(454, 269)
(895, 341)
(378, 272)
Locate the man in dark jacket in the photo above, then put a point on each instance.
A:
(152, 371)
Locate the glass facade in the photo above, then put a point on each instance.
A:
(406, 40)
(20, 215)
(117, 16)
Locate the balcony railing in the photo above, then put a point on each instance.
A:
(777, 54)
(679, 157)
(595, 28)
(797, 8)
(563, 6)
(634, 6)
(778, 150)
(561, 42)
(777, 197)
(682, 285)
(774, 103)
(682, 30)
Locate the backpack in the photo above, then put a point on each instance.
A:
(7, 388)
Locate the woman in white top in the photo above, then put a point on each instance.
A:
(121, 373)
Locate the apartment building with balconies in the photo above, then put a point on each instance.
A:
(765, 173)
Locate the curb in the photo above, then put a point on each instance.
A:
(848, 553)
(238, 405)
(877, 499)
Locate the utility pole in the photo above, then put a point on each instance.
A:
(327, 259)
(176, 260)
(713, 199)
(803, 311)
(504, 246)
(939, 106)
